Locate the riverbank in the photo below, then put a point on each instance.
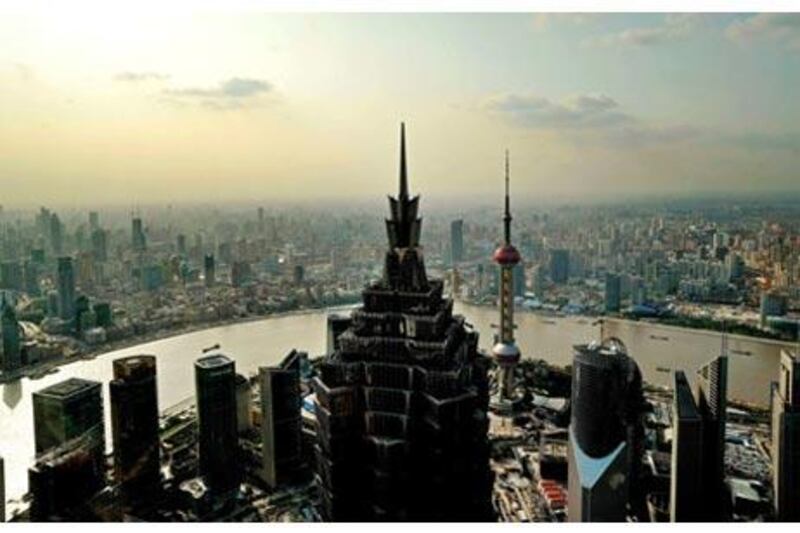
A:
(705, 328)
(51, 366)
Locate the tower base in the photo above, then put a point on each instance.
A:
(504, 406)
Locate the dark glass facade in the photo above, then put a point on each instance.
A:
(606, 435)
(66, 411)
(215, 382)
(401, 404)
(134, 426)
(712, 403)
(786, 439)
(686, 495)
(70, 448)
(280, 422)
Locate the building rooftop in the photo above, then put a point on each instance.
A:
(69, 387)
(213, 361)
(134, 365)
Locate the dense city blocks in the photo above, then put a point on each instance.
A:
(450, 268)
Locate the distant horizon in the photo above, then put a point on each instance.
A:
(520, 201)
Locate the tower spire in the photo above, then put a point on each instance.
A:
(507, 217)
(403, 171)
(404, 224)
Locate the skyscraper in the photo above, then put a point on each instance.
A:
(613, 292)
(638, 291)
(209, 270)
(62, 484)
(605, 433)
(401, 405)
(100, 245)
(773, 303)
(9, 326)
(280, 420)
(85, 272)
(712, 402)
(299, 274)
(786, 439)
(94, 220)
(65, 283)
(505, 351)
(686, 495)
(56, 235)
(152, 277)
(215, 383)
(180, 244)
(456, 241)
(138, 241)
(103, 314)
(2, 490)
(559, 266)
(31, 278)
(539, 280)
(134, 426)
(70, 410)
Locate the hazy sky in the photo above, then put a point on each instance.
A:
(135, 108)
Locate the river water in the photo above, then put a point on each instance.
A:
(657, 349)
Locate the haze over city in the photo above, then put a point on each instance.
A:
(399, 267)
(137, 108)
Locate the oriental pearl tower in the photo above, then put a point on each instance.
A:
(505, 352)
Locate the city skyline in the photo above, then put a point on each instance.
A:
(405, 417)
(208, 313)
(136, 108)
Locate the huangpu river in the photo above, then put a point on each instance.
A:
(753, 363)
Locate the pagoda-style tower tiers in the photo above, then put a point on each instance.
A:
(402, 404)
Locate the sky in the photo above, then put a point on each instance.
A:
(133, 108)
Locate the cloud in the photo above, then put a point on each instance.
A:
(140, 76)
(233, 93)
(588, 117)
(598, 119)
(674, 28)
(783, 28)
(575, 112)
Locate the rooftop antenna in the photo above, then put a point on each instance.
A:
(507, 217)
